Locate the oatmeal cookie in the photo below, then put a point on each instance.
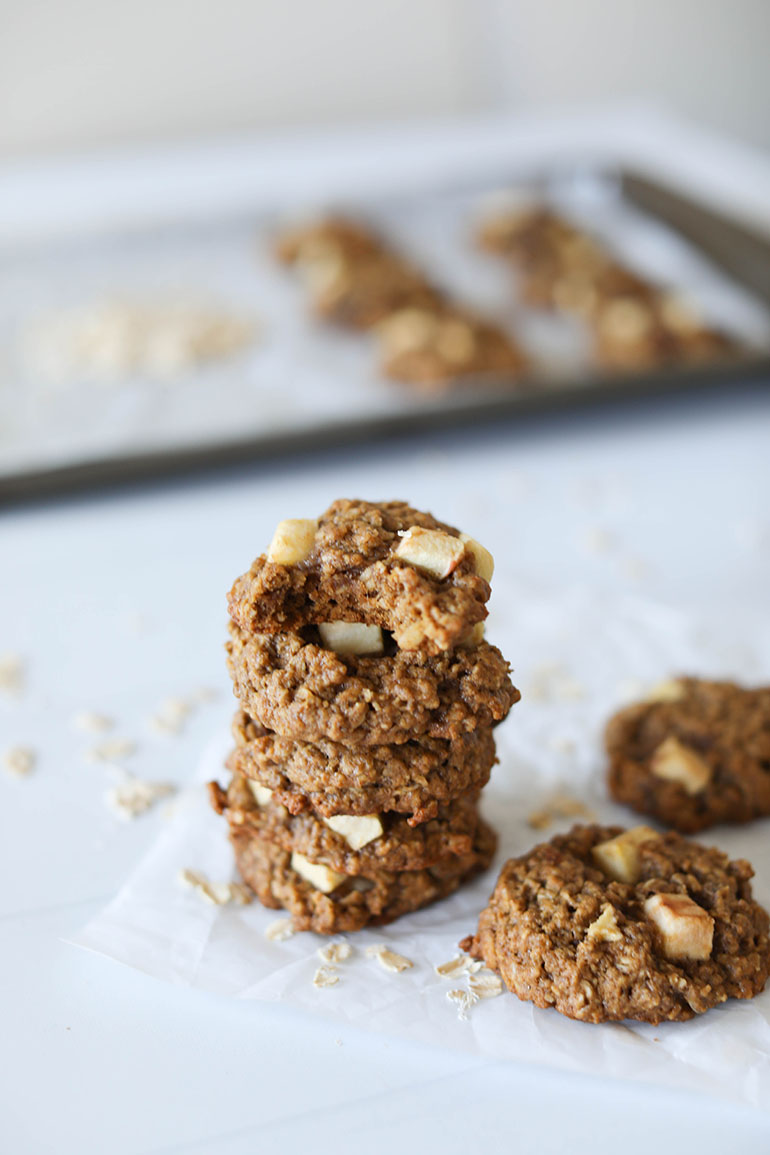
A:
(301, 691)
(332, 237)
(640, 332)
(347, 843)
(329, 778)
(357, 901)
(439, 346)
(679, 936)
(697, 756)
(382, 564)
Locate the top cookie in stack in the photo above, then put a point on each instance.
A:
(368, 696)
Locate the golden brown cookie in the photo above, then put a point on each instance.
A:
(603, 924)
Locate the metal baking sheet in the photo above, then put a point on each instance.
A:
(304, 384)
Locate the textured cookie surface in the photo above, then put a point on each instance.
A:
(434, 347)
(377, 899)
(301, 691)
(329, 778)
(699, 756)
(562, 934)
(397, 846)
(354, 573)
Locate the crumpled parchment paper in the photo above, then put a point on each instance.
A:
(576, 661)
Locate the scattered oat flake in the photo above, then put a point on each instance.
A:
(463, 1000)
(217, 893)
(389, 960)
(462, 964)
(335, 952)
(325, 977)
(280, 930)
(11, 673)
(562, 745)
(92, 723)
(134, 796)
(205, 694)
(598, 540)
(486, 984)
(568, 807)
(635, 568)
(172, 715)
(19, 760)
(111, 750)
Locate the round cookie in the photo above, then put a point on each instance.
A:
(384, 565)
(683, 934)
(372, 901)
(329, 778)
(359, 844)
(301, 691)
(697, 755)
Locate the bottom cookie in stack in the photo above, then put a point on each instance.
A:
(345, 872)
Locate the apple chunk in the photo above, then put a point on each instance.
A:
(262, 794)
(619, 857)
(432, 550)
(356, 830)
(686, 929)
(322, 877)
(351, 637)
(292, 541)
(483, 562)
(677, 763)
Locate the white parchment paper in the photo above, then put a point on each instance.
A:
(578, 661)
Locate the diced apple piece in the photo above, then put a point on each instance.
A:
(605, 928)
(356, 830)
(432, 550)
(619, 857)
(676, 763)
(474, 637)
(686, 929)
(262, 794)
(322, 877)
(292, 541)
(351, 637)
(483, 562)
(669, 690)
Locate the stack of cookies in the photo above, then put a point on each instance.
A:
(367, 700)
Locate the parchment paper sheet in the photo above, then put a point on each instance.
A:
(577, 662)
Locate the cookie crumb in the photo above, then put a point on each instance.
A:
(111, 750)
(134, 796)
(325, 977)
(389, 960)
(12, 673)
(91, 723)
(463, 1000)
(280, 930)
(217, 893)
(335, 952)
(19, 760)
(559, 805)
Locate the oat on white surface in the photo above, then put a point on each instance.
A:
(133, 796)
(172, 715)
(598, 540)
(463, 964)
(91, 722)
(551, 681)
(217, 893)
(19, 761)
(389, 960)
(326, 977)
(280, 930)
(335, 952)
(108, 341)
(112, 750)
(485, 984)
(12, 673)
(463, 1000)
(559, 805)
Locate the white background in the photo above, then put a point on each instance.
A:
(78, 73)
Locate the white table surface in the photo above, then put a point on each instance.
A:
(116, 602)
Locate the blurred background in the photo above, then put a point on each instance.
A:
(82, 73)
